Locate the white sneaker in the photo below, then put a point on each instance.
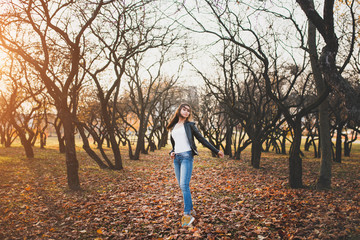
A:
(186, 220)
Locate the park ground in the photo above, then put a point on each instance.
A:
(232, 200)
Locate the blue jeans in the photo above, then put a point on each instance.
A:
(183, 165)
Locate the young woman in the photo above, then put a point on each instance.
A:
(183, 150)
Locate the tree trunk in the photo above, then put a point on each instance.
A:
(8, 136)
(7, 144)
(319, 144)
(89, 151)
(108, 142)
(347, 149)
(72, 164)
(256, 153)
(338, 146)
(61, 140)
(143, 149)
(33, 138)
(28, 149)
(140, 143)
(275, 145)
(29, 152)
(324, 180)
(228, 142)
(283, 142)
(131, 155)
(164, 138)
(316, 153)
(139, 146)
(152, 145)
(307, 143)
(116, 151)
(110, 137)
(43, 138)
(347, 146)
(26, 143)
(295, 161)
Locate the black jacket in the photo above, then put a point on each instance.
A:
(191, 131)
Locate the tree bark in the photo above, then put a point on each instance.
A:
(72, 164)
(283, 142)
(338, 146)
(164, 138)
(346, 146)
(43, 138)
(140, 143)
(57, 125)
(25, 142)
(295, 161)
(89, 151)
(327, 61)
(256, 153)
(116, 151)
(228, 144)
(110, 131)
(324, 181)
(29, 152)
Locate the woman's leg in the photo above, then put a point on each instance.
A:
(185, 177)
(177, 167)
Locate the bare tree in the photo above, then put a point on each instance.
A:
(325, 67)
(22, 104)
(325, 140)
(59, 134)
(43, 123)
(286, 84)
(211, 119)
(132, 28)
(7, 132)
(145, 92)
(327, 60)
(311, 125)
(161, 114)
(54, 33)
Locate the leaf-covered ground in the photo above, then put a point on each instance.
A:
(232, 200)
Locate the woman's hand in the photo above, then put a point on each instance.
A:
(221, 154)
(172, 155)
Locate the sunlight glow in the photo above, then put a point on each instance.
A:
(2, 60)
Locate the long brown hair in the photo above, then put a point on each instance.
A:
(175, 118)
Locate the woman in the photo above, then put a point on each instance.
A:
(183, 151)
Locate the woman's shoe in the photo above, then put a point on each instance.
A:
(186, 220)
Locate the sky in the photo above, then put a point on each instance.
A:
(201, 46)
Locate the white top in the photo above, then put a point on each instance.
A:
(181, 141)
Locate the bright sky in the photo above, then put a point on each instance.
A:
(198, 44)
(200, 47)
(2, 85)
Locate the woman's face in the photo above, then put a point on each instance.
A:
(185, 111)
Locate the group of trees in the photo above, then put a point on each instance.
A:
(96, 68)
(62, 50)
(274, 72)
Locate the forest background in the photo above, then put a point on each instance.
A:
(273, 84)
